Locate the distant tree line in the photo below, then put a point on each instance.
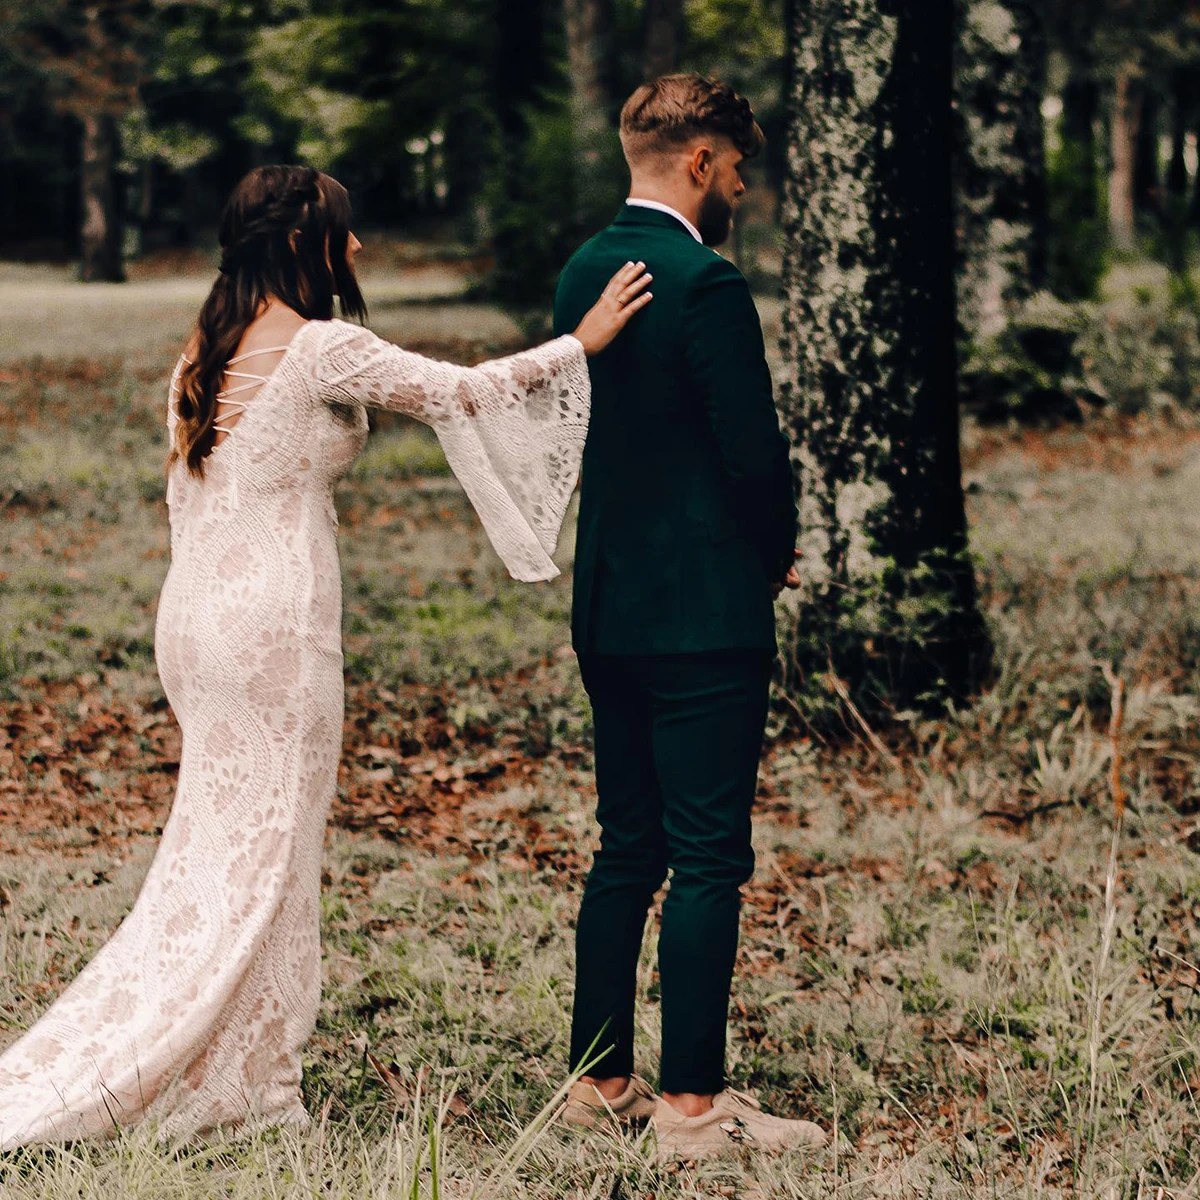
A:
(123, 123)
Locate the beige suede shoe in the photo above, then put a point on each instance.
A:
(735, 1121)
(587, 1109)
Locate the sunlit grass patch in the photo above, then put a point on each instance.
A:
(409, 452)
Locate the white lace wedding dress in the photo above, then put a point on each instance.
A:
(193, 1015)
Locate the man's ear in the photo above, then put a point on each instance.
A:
(700, 164)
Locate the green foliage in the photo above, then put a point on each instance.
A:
(1136, 351)
(1078, 234)
(1142, 353)
(1031, 370)
(534, 226)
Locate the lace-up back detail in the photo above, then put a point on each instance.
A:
(229, 411)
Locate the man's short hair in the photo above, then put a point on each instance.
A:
(670, 111)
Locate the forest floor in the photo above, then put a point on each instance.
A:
(932, 966)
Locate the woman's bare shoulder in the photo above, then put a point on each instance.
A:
(275, 327)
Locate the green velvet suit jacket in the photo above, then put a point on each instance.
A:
(687, 511)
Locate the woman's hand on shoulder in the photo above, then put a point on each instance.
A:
(625, 295)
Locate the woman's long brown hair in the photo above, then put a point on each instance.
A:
(283, 235)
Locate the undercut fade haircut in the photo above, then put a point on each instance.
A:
(670, 111)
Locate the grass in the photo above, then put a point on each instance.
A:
(952, 957)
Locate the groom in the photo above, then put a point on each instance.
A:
(687, 528)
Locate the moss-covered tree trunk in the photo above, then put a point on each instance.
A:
(869, 389)
(1000, 80)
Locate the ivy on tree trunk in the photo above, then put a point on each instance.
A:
(869, 390)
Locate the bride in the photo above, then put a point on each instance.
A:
(194, 1014)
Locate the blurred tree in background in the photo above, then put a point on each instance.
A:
(493, 123)
(88, 61)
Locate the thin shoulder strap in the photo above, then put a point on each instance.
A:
(252, 353)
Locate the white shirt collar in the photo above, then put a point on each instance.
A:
(666, 208)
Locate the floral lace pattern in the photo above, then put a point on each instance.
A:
(193, 1015)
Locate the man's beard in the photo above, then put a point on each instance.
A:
(716, 219)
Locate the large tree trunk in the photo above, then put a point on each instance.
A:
(589, 27)
(869, 389)
(1002, 218)
(1123, 138)
(662, 36)
(101, 234)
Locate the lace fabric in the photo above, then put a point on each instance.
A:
(193, 1015)
(512, 429)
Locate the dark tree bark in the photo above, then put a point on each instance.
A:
(102, 233)
(466, 147)
(93, 61)
(589, 28)
(1147, 185)
(1000, 81)
(869, 390)
(1175, 197)
(1081, 108)
(1181, 103)
(1194, 209)
(517, 76)
(662, 36)
(1079, 231)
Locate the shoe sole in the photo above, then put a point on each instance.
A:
(590, 1120)
(695, 1153)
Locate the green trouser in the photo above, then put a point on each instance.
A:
(678, 739)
